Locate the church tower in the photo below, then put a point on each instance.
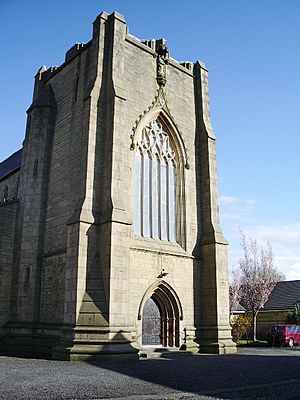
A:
(118, 238)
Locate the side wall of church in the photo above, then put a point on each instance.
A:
(63, 183)
(8, 215)
(65, 169)
(61, 167)
(49, 180)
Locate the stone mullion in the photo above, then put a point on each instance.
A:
(142, 192)
(173, 200)
(168, 200)
(151, 196)
(137, 193)
(159, 200)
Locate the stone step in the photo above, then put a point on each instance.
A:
(163, 352)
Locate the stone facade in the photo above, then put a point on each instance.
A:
(77, 276)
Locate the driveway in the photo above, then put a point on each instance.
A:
(270, 351)
(261, 374)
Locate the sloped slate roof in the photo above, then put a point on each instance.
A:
(11, 164)
(284, 296)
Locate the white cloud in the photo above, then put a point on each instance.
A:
(239, 214)
(285, 241)
(226, 200)
(231, 217)
(250, 202)
(235, 208)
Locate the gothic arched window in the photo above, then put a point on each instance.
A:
(156, 167)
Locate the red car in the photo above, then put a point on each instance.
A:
(283, 334)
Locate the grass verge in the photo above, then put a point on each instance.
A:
(251, 343)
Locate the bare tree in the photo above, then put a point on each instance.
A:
(234, 290)
(258, 276)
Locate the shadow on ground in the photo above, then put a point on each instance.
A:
(233, 376)
(240, 376)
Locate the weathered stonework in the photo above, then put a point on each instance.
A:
(76, 275)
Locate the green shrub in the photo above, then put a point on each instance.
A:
(293, 317)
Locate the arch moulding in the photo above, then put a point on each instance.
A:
(160, 110)
(167, 290)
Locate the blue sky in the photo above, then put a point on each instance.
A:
(252, 51)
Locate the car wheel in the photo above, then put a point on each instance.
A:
(291, 342)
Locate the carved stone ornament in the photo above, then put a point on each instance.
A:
(159, 101)
(162, 59)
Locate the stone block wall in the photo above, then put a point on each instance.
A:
(9, 187)
(8, 215)
(265, 319)
(53, 285)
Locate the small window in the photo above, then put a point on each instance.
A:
(35, 167)
(76, 85)
(5, 194)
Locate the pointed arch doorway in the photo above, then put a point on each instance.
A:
(161, 315)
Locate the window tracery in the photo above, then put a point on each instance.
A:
(155, 183)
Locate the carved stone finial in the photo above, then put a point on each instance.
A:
(161, 61)
(40, 72)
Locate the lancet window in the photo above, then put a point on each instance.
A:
(155, 183)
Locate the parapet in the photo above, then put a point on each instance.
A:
(73, 51)
(149, 45)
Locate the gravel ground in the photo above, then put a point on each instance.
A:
(261, 374)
